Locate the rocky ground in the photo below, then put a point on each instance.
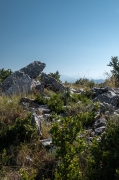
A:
(26, 80)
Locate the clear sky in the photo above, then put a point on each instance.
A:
(75, 37)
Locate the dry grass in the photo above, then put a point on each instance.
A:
(49, 92)
(110, 80)
(85, 86)
(10, 107)
(45, 130)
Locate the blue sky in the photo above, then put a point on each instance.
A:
(75, 37)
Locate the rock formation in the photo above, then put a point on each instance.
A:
(106, 96)
(22, 81)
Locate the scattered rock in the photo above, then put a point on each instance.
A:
(37, 121)
(47, 142)
(100, 130)
(100, 122)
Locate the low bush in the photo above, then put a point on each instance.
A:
(40, 99)
(104, 154)
(20, 131)
(65, 137)
(56, 104)
(85, 82)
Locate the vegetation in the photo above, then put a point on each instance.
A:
(56, 75)
(4, 74)
(103, 160)
(71, 157)
(114, 63)
(65, 137)
(85, 82)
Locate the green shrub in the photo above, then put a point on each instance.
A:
(115, 72)
(40, 99)
(87, 118)
(4, 158)
(103, 162)
(66, 137)
(26, 176)
(85, 100)
(85, 82)
(55, 103)
(68, 98)
(4, 74)
(56, 75)
(20, 131)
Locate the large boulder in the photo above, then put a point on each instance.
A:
(109, 97)
(106, 96)
(34, 69)
(22, 81)
(52, 83)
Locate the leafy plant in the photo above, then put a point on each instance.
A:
(115, 72)
(85, 82)
(40, 99)
(56, 75)
(82, 97)
(4, 158)
(20, 131)
(104, 154)
(27, 176)
(4, 74)
(55, 103)
(69, 145)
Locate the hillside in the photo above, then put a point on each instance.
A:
(57, 131)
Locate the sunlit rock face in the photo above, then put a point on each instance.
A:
(23, 80)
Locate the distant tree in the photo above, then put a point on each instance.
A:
(4, 74)
(56, 75)
(115, 71)
(85, 81)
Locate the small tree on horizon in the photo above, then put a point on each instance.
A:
(115, 71)
(4, 74)
(56, 75)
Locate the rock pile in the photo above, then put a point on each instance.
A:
(24, 80)
(106, 95)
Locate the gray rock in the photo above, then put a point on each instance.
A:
(22, 82)
(43, 109)
(100, 130)
(37, 121)
(33, 69)
(52, 83)
(109, 97)
(72, 90)
(81, 90)
(100, 122)
(98, 91)
(46, 142)
(27, 100)
(106, 107)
